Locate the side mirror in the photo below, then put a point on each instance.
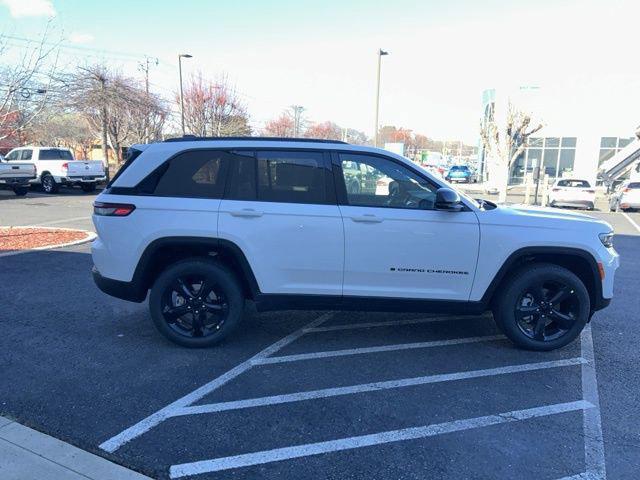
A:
(448, 200)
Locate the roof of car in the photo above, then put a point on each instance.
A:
(194, 138)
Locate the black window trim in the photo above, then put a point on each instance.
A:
(326, 166)
(341, 188)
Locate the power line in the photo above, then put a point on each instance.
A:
(132, 55)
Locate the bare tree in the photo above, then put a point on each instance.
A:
(28, 83)
(504, 139)
(214, 108)
(116, 107)
(62, 129)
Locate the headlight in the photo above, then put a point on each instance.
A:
(606, 239)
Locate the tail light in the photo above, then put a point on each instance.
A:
(626, 190)
(112, 209)
(65, 166)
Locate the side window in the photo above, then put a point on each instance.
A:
(292, 177)
(242, 177)
(379, 182)
(198, 173)
(26, 155)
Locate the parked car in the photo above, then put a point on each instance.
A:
(16, 176)
(625, 197)
(460, 173)
(206, 224)
(358, 178)
(572, 193)
(56, 166)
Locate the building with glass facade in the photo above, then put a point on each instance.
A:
(569, 147)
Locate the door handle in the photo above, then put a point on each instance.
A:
(367, 219)
(246, 212)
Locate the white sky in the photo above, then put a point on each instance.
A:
(582, 54)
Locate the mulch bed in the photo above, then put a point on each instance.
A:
(24, 238)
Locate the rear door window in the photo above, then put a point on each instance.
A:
(26, 155)
(292, 177)
(54, 154)
(196, 173)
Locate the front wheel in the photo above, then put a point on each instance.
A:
(543, 307)
(196, 302)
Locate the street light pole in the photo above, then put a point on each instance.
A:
(180, 57)
(375, 131)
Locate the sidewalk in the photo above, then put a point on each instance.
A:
(26, 454)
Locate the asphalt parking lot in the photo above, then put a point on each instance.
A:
(312, 394)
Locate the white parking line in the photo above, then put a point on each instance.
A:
(305, 450)
(592, 423)
(390, 323)
(154, 419)
(374, 386)
(631, 221)
(382, 348)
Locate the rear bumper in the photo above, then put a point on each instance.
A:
(573, 203)
(15, 182)
(78, 180)
(129, 291)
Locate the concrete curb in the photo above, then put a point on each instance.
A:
(27, 454)
(90, 236)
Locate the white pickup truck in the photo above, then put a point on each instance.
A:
(56, 166)
(16, 176)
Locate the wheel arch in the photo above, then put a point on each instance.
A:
(162, 252)
(576, 260)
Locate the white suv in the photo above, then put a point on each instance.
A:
(206, 224)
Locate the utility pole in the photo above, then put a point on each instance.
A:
(297, 119)
(144, 66)
(375, 131)
(103, 113)
(180, 57)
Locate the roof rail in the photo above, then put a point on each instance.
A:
(194, 138)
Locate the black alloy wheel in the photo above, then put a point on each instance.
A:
(196, 302)
(193, 306)
(542, 306)
(547, 310)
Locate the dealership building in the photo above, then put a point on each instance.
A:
(580, 138)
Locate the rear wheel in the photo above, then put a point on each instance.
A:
(196, 303)
(21, 191)
(543, 307)
(49, 184)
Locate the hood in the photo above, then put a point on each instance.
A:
(544, 217)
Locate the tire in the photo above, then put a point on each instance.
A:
(49, 184)
(521, 294)
(182, 330)
(88, 187)
(21, 191)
